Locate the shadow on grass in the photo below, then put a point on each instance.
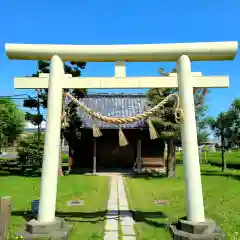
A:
(151, 177)
(146, 176)
(148, 218)
(23, 172)
(94, 217)
(91, 217)
(220, 174)
(20, 173)
(229, 165)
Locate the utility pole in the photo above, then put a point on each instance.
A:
(222, 143)
(39, 126)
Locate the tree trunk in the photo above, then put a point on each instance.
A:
(171, 158)
(223, 151)
(60, 172)
(174, 160)
(38, 142)
(70, 157)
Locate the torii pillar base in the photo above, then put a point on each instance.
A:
(187, 230)
(56, 230)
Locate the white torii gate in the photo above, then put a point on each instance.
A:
(185, 80)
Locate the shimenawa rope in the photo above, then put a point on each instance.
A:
(178, 115)
(131, 119)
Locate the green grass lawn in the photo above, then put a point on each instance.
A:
(232, 159)
(88, 220)
(221, 199)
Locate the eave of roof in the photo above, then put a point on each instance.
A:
(114, 105)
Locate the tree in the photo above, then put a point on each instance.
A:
(30, 150)
(36, 119)
(72, 131)
(11, 122)
(221, 127)
(233, 114)
(164, 119)
(200, 113)
(75, 69)
(227, 127)
(165, 124)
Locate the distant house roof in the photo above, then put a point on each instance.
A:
(212, 141)
(29, 127)
(114, 105)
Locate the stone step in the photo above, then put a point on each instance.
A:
(111, 225)
(127, 230)
(113, 235)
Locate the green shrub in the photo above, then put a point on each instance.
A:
(28, 151)
(64, 158)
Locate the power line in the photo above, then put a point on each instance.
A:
(12, 98)
(16, 95)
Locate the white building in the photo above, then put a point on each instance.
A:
(29, 127)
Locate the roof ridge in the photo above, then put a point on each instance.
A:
(115, 95)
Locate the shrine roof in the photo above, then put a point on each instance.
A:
(114, 105)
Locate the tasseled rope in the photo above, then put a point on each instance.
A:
(152, 130)
(122, 139)
(95, 129)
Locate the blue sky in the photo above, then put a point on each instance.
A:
(122, 22)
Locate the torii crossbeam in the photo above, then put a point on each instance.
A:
(181, 53)
(120, 82)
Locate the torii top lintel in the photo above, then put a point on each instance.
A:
(203, 51)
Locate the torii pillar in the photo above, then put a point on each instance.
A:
(192, 171)
(196, 226)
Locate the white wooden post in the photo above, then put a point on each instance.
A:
(195, 208)
(139, 155)
(49, 177)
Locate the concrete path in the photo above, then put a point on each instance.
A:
(118, 213)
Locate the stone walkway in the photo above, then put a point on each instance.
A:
(118, 213)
